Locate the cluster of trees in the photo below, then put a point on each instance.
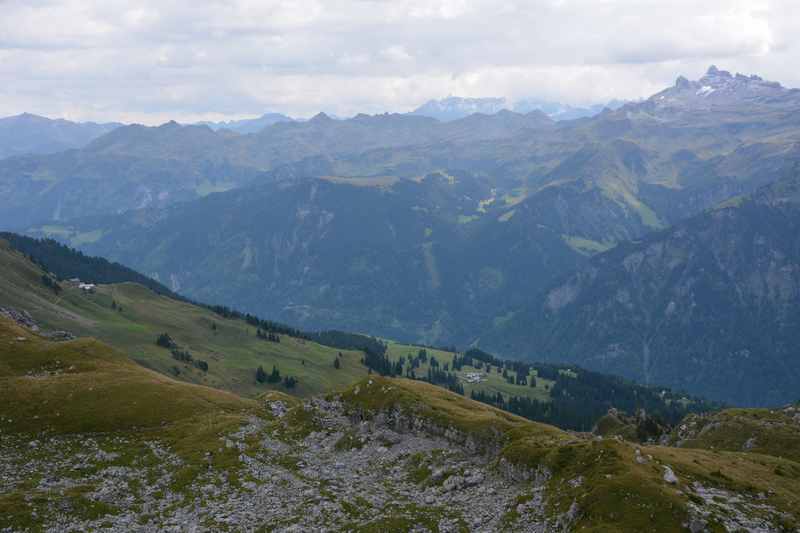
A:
(514, 372)
(65, 263)
(165, 341)
(263, 377)
(268, 336)
(341, 340)
(561, 412)
(422, 357)
(51, 283)
(516, 377)
(274, 377)
(449, 380)
(184, 356)
(378, 361)
(265, 325)
(579, 398)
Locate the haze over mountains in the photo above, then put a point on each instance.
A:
(467, 230)
(32, 134)
(454, 108)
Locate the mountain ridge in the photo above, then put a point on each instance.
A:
(709, 303)
(27, 134)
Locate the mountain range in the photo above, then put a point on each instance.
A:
(452, 232)
(498, 322)
(248, 125)
(710, 303)
(33, 134)
(455, 107)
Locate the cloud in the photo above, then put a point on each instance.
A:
(153, 60)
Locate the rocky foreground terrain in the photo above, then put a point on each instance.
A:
(313, 469)
(315, 466)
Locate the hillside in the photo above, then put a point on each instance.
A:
(223, 348)
(709, 306)
(386, 454)
(130, 317)
(429, 268)
(84, 385)
(773, 432)
(567, 397)
(137, 167)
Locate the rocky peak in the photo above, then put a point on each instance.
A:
(682, 82)
(320, 118)
(716, 88)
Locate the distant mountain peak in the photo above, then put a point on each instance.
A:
(716, 87)
(249, 125)
(682, 82)
(29, 133)
(456, 107)
(320, 117)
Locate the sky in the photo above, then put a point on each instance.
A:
(151, 61)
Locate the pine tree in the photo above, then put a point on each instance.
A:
(275, 376)
(261, 376)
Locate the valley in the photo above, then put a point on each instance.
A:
(459, 233)
(478, 314)
(223, 349)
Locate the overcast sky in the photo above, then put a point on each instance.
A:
(150, 61)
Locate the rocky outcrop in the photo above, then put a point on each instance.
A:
(24, 319)
(311, 467)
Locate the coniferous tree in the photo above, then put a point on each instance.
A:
(275, 376)
(165, 341)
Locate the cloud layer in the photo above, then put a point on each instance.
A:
(149, 61)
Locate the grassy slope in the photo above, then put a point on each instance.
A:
(765, 431)
(232, 349)
(86, 387)
(617, 493)
(493, 384)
